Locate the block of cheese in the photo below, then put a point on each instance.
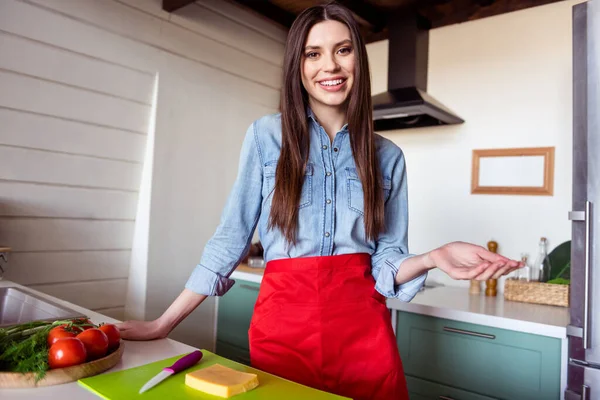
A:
(221, 381)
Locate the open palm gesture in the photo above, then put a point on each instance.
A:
(471, 262)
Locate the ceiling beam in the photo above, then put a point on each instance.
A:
(172, 5)
(460, 11)
(370, 14)
(375, 37)
(270, 11)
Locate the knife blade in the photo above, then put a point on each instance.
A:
(179, 365)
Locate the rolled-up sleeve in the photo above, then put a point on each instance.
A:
(232, 238)
(392, 246)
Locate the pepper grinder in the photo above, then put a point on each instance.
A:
(491, 284)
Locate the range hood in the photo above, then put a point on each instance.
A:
(406, 103)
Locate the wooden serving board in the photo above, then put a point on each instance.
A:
(13, 380)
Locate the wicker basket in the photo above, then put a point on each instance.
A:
(537, 292)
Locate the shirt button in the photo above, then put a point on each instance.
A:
(328, 174)
(335, 149)
(324, 147)
(328, 201)
(326, 234)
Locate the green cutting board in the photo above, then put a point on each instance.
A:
(126, 384)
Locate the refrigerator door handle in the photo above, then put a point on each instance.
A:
(585, 216)
(586, 302)
(585, 392)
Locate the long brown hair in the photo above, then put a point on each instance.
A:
(295, 145)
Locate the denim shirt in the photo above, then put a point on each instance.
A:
(330, 215)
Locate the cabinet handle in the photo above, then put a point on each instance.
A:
(256, 289)
(445, 398)
(470, 333)
(585, 364)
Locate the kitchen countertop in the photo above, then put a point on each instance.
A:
(135, 354)
(456, 303)
(247, 273)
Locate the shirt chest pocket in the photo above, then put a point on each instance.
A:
(306, 194)
(356, 201)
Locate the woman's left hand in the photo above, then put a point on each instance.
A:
(471, 262)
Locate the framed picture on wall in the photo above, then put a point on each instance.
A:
(522, 171)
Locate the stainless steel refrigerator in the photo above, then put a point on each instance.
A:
(583, 376)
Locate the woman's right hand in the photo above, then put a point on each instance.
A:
(142, 330)
(159, 328)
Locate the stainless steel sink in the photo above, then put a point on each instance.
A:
(18, 306)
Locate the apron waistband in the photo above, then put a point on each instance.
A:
(318, 262)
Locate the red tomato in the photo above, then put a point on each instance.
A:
(113, 335)
(66, 352)
(95, 342)
(60, 332)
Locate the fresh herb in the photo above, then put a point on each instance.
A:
(560, 281)
(24, 347)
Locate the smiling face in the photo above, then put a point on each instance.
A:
(328, 64)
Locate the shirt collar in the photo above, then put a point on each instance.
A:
(311, 115)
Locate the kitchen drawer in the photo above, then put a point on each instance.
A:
(235, 312)
(495, 362)
(233, 353)
(419, 389)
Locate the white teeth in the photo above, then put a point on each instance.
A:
(331, 83)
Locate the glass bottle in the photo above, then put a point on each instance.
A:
(542, 263)
(524, 273)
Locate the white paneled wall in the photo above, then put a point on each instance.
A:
(72, 137)
(76, 106)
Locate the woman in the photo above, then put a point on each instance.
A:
(329, 199)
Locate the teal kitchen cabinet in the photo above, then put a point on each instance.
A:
(478, 360)
(233, 321)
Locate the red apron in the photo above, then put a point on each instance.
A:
(320, 322)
